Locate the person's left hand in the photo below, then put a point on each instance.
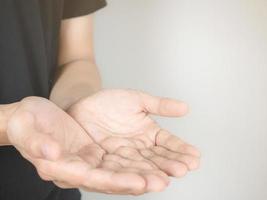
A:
(118, 120)
(62, 152)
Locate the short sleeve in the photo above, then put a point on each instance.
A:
(75, 8)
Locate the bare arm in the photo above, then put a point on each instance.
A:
(77, 75)
(5, 113)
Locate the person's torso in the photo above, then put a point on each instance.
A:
(28, 56)
(28, 47)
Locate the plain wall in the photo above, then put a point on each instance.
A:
(212, 54)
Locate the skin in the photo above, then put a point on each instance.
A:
(64, 153)
(5, 112)
(77, 74)
(119, 121)
(106, 142)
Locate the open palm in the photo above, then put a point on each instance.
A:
(119, 121)
(64, 153)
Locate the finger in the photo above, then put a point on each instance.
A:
(124, 162)
(170, 167)
(109, 181)
(156, 180)
(173, 143)
(76, 172)
(129, 152)
(191, 162)
(110, 165)
(156, 172)
(163, 106)
(92, 154)
(133, 154)
(44, 176)
(111, 144)
(63, 185)
(70, 169)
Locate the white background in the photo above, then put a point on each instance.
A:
(212, 54)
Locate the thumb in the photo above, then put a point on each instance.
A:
(164, 106)
(43, 146)
(24, 136)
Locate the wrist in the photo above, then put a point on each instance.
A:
(6, 112)
(78, 93)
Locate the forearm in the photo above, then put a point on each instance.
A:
(5, 113)
(75, 81)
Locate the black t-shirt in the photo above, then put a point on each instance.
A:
(29, 31)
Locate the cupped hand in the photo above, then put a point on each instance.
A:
(118, 120)
(64, 153)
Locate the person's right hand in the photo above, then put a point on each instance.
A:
(64, 153)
